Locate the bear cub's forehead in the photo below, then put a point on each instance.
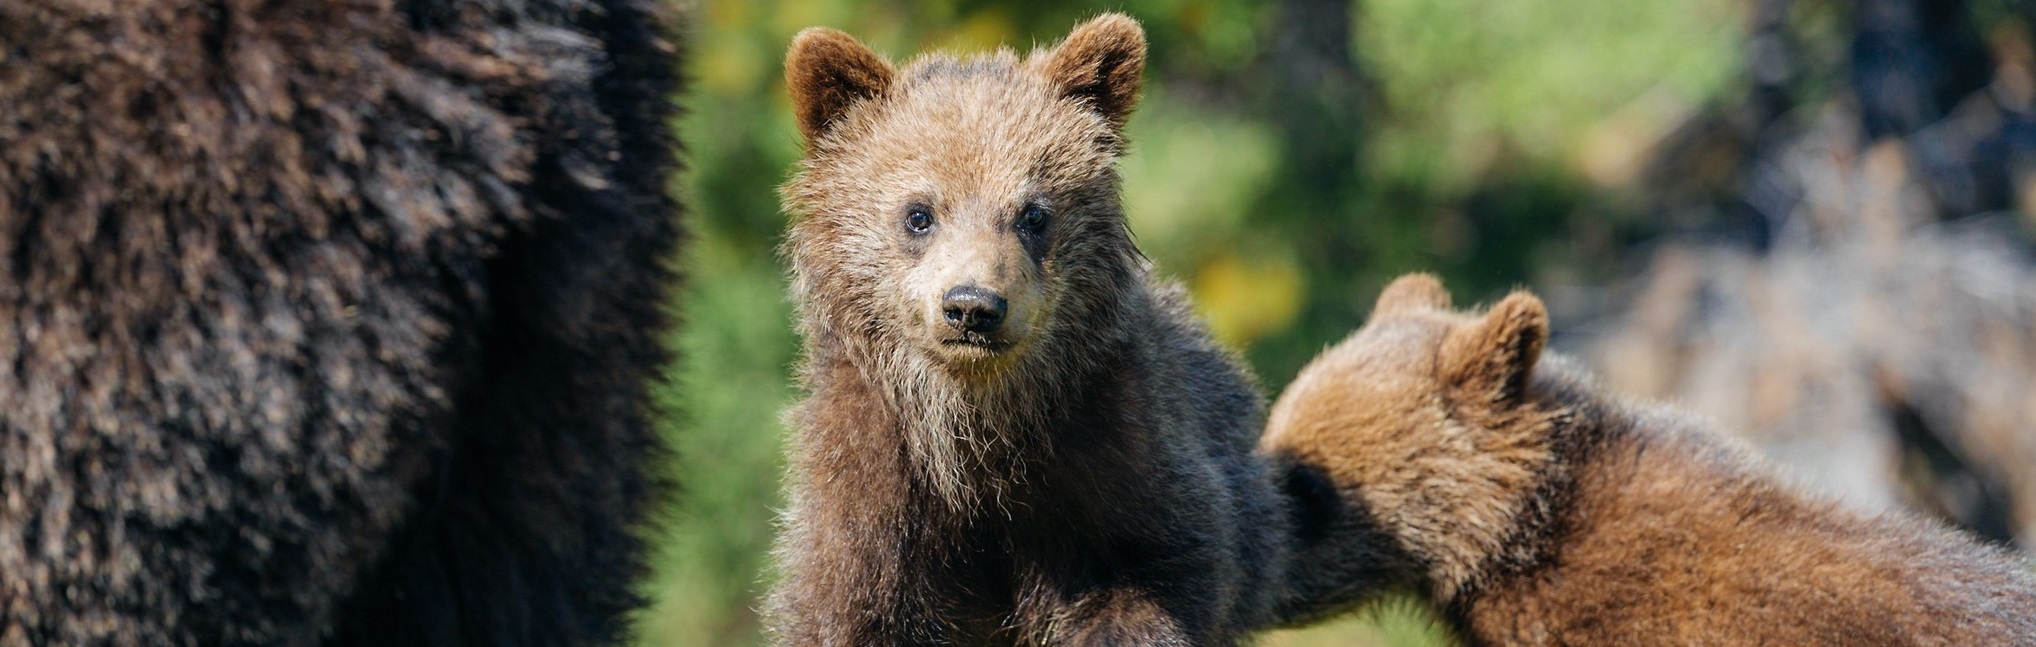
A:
(1401, 344)
(987, 90)
(983, 114)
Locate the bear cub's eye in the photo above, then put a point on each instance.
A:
(1032, 219)
(919, 219)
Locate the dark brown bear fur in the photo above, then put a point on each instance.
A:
(1082, 474)
(1536, 509)
(329, 321)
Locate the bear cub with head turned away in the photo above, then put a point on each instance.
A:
(1536, 509)
(1014, 433)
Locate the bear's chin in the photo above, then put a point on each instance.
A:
(977, 358)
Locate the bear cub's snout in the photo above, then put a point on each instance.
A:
(973, 310)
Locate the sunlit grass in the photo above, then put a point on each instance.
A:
(1393, 622)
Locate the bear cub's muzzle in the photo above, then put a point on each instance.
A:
(973, 310)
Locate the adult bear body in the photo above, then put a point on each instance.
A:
(329, 322)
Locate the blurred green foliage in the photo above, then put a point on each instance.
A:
(1487, 140)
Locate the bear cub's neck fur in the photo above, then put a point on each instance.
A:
(1014, 435)
(1537, 509)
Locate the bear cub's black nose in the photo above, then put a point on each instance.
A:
(973, 309)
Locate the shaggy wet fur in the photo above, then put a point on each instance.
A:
(1536, 509)
(1086, 480)
(329, 321)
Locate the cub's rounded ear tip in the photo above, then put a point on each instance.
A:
(818, 31)
(818, 36)
(1521, 303)
(1521, 315)
(1416, 281)
(1114, 25)
(1418, 290)
(1114, 19)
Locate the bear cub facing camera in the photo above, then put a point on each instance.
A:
(1014, 434)
(1536, 509)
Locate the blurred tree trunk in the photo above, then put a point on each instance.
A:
(1918, 70)
(1912, 62)
(1319, 97)
(1310, 81)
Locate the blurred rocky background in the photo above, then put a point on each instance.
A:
(1809, 220)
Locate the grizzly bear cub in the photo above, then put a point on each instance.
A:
(1014, 434)
(1536, 509)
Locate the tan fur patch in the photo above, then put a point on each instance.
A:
(1540, 510)
(1405, 407)
(1411, 293)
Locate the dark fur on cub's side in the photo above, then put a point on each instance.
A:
(1537, 509)
(329, 322)
(1082, 473)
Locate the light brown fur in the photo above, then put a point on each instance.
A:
(1081, 474)
(1536, 509)
(972, 139)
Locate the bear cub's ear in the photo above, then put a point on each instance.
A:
(1412, 292)
(828, 71)
(1099, 64)
(1494, 356)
